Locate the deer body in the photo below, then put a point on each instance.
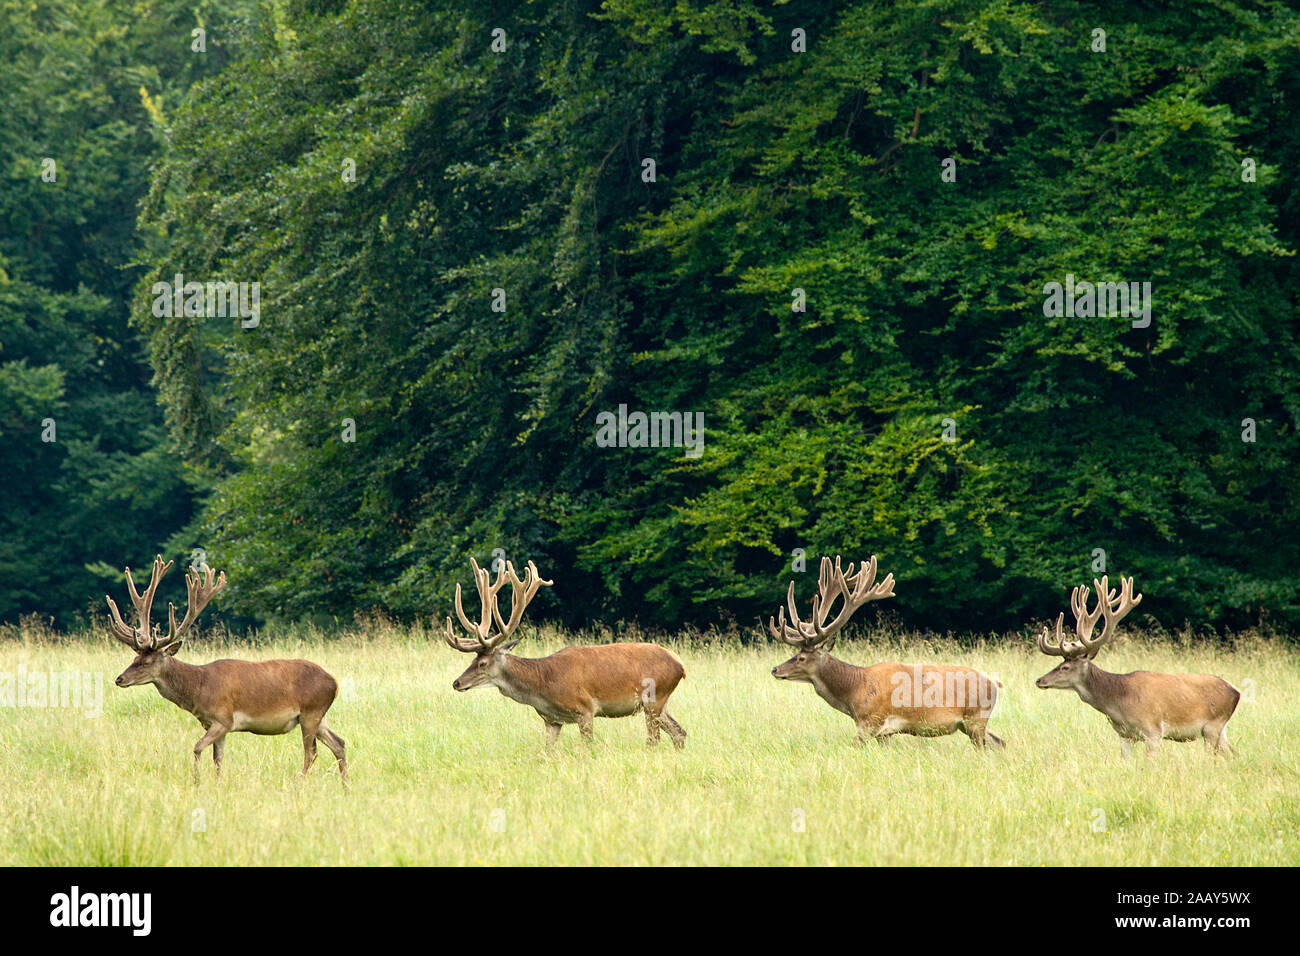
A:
(577, 684)
(266, 697)
(1142, 705)
(1150, 707)
(574, 685)
(924, 700)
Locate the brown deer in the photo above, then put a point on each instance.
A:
(574, 685)
(925, 700)
(1142, 705)
(269, 697)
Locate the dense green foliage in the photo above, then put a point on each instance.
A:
(480, 169)
(91, 478)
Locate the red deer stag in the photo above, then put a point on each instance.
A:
(270, 697)
(1142, 705)
(925, 700)
(574, 685)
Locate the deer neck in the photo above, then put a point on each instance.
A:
(524, 679)
(835, 682)
(1099, 689)
(180, 683)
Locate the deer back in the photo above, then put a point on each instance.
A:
(605, 672)
(256, 688)
(929, 693)
(1150, 698)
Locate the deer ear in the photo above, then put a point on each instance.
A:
(171, 649)
(509, 644)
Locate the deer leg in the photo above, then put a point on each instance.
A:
(674, 729)
(586, 724)
(218, 746)
(975, 731)
(1153, 743)
(978, 732)
(335, 743)
(552, 732)
(652, 725)
(869, 729)
(214, 733)
(309, 728)
(1126, 747)
(1222, 742)
(1216, 737)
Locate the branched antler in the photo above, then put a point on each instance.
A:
(832, 583)
(200, 589)
(521, 593)
(141, 638)
(1109, 605)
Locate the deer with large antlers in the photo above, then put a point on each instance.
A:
(924, 700)
(1142, 705)
(574, 685)
(267, 697)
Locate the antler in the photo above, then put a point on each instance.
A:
(1060, 648)
(199, 591)
(1109, 605)
(140, 637)
(1113, 608)
(521, 593)
(832, 583)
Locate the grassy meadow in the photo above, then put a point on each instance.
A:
(770, 774)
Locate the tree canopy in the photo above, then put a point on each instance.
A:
(92, 480)
(828, 228)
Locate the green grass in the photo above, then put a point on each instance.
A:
(446, 778)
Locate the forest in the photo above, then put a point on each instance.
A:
(1002, 292)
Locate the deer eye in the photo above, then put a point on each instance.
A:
(482, 663)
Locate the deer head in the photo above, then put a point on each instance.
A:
(1073, 672)
(814, 638)
(489, 648)
(151, 650)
